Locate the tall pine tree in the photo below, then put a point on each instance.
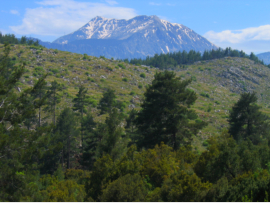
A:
(166, 112)
(246, 121)
(66, 127)
(80, 102)
(53, 99)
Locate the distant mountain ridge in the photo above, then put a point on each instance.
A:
(135, 38)
(265, 57)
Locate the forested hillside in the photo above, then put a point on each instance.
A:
(81, 128)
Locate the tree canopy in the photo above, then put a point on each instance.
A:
(166, 112)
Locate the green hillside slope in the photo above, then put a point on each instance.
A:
(217, 83)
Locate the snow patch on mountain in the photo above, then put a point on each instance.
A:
(141, 36)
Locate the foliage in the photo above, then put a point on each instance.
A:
(246, 121)
(172, 59)
(127, 188)
(67, 134)
(64, 191)
(168, 102)
(113, 141)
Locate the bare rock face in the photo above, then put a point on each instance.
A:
(138, 37)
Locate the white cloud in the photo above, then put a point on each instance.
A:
(239, 36)
(111, 2)
(155, 4)
(56, 17)
(14, 12)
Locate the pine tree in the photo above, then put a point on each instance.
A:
(130, 127)
(113, 141)
(107, 102)
(20, 148)
(166, 112)
(40, 94)
(91, 141)
(80, 102)
(66, 127)
(53, 99)
(246, 121)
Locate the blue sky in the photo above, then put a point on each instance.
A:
(240, 24)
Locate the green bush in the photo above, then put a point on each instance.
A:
(142, 75)
(193, 78)
(85, 56)
(198, 120)
(122, 66)
(205, 143)
(54, 70)
(125, 79)
(90, 79)
(109, 68)
(205, 95)
(200, 68)
(132, 93)
(140, 86)
(128, 188)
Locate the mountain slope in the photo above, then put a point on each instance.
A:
(265, 57)
(137, 37)
(217, 83)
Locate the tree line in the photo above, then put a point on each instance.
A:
(182, 58)
(11, 39)
(140, 155)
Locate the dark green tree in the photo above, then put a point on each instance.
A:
(40, 94)
(246, 121)
(91, 140)
(130, 127)
(53, 99)
(114, 141)
(80, 102)
(20, 148)
(66, 127)
(107, 102)
(166, 112)
(23, 40)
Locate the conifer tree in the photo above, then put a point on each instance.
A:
(107, 102)
(53, 99)
(19, 148)
(66, 127)
(166, 112)
(113, 141)
(80, 102)
(246, 121)
(91, 140)
(40, 94)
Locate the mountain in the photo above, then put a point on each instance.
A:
(265, 57)
(135, 38)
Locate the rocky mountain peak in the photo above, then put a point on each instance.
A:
(137, 37)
